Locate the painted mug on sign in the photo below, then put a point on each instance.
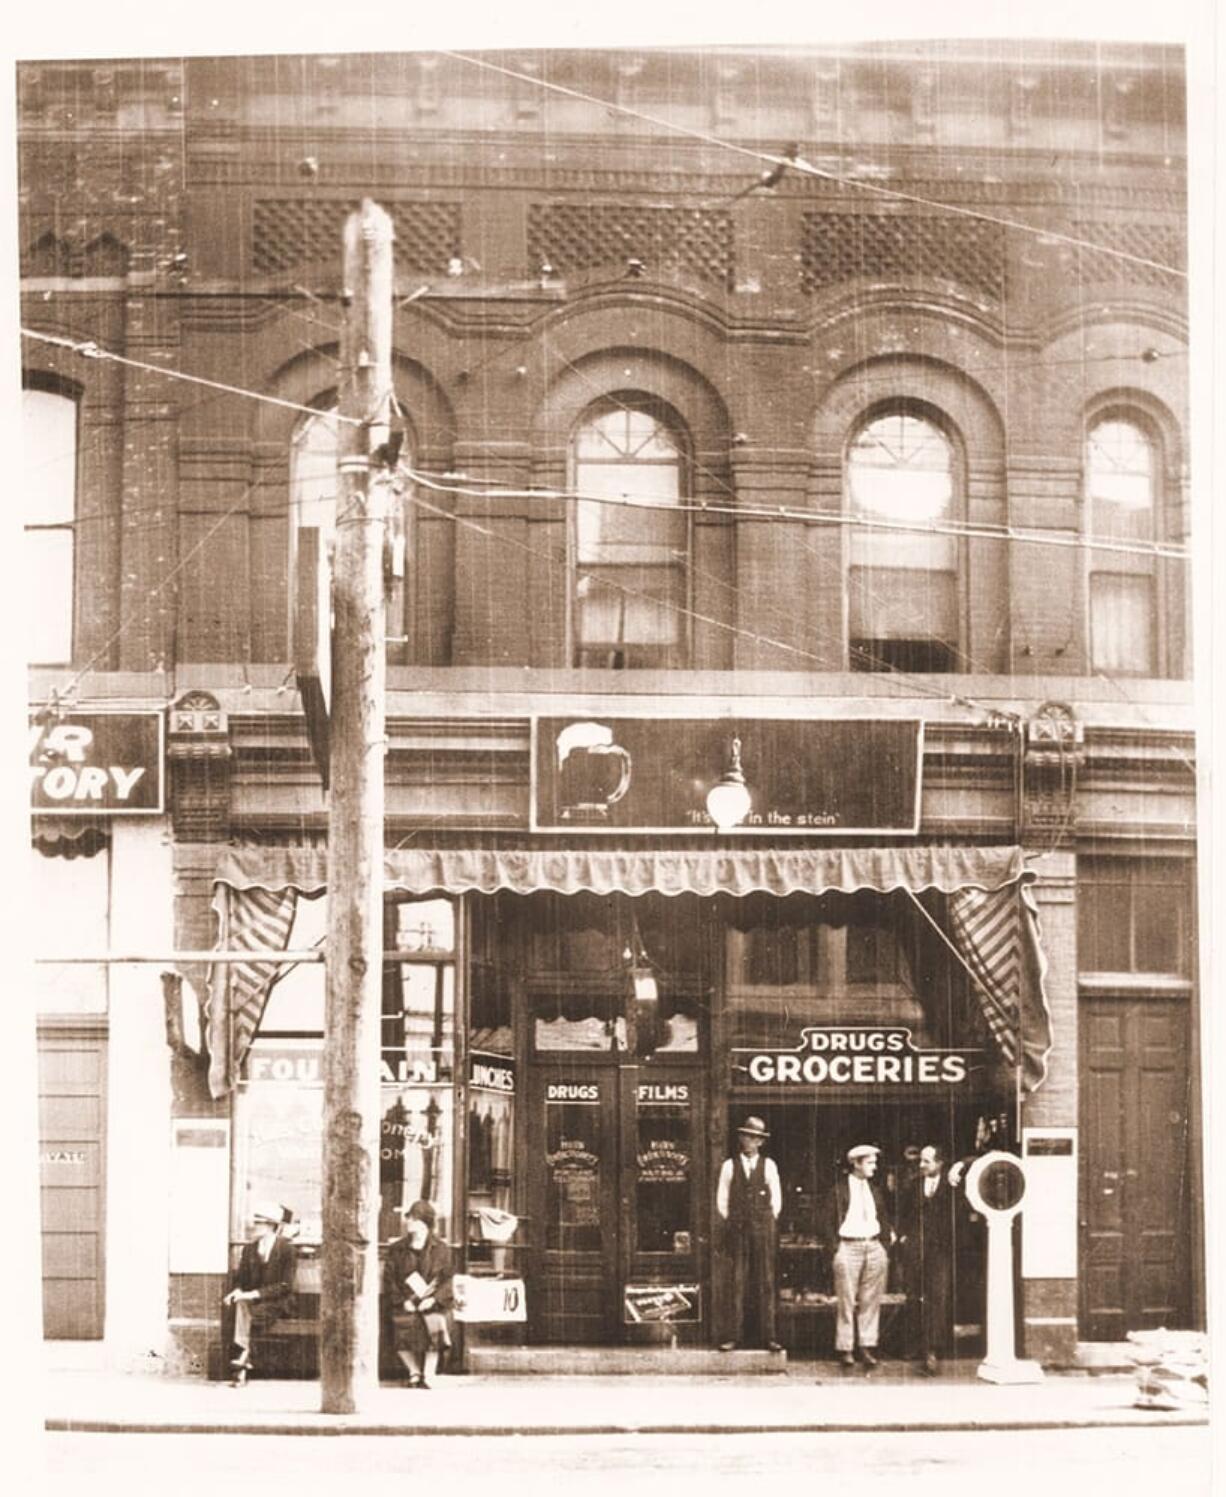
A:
(593, 771)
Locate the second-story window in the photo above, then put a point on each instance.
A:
(49, 496)
(312, 530)
(903, 582)
(1120, 471)
(631, 561)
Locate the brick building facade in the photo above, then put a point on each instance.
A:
(964, 295)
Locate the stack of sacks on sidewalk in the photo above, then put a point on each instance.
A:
(1172, 1369)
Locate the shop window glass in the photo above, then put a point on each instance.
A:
(902, 584)
(631, 561)
(574, 1151)
(67, 914)
(278, 1124)
(49, 499)
(663, 1173)
(1135, 917)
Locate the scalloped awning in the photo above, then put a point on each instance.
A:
(736, 871)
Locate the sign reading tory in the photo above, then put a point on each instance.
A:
(96, 763)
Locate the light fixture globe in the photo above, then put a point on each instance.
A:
(729, 801)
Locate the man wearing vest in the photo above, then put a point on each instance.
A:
(858, 1226)
(749, 1200)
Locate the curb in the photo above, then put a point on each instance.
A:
(1128, 1419)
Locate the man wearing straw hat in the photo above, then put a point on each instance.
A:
(858, 1226)
(749, 1199)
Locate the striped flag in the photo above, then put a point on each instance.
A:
(996, 931)
(238, 991)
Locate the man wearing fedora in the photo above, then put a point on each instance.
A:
(263, 1281)
(858, 1224)
(749, 1199)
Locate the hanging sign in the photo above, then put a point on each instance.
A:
(96, 763)
(491, 1073)
(661, 1304)
(805, 777)
(851, 1055)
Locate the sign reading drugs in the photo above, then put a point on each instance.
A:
(851, 1055)
(96, 763)
(804, 777)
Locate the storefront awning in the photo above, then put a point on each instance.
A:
(736, 871)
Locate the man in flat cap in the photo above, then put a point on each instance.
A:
(858, 1224)
(749, 1200)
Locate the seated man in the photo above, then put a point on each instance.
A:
(263, 1281)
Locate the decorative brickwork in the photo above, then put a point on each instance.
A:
(902, 247)
(581, 236)
(295, 231)
(1160, 243)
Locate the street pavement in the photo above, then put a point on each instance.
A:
(923, 1463)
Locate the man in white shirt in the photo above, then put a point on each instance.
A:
(748, 1199)
(859, 1228)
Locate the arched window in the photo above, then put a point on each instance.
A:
(1120, 490)
(903, 583)
(631, 561)
(49, 499)
(312, 505)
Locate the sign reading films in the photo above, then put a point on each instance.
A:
(852, 1055)
(96, 763)
(805, 777)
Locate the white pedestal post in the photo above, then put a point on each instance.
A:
(1005, 1183)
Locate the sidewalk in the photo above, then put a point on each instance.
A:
(808, 1398)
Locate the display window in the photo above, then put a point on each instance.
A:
(278, 1106)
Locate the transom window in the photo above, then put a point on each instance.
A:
(631, 560)
(903, 593)
(1120, 473)
(49, 496)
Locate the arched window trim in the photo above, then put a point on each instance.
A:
(914, 658)
(48, 382)
(618, 654)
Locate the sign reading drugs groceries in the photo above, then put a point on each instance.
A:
(852, 1055)
(96, 763)
(815, 777)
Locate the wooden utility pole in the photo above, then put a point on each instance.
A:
(349, 1290)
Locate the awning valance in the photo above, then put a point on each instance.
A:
(737, 871)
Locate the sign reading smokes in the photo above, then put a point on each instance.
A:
(851, 1056)
(809, 778)
(96, 763)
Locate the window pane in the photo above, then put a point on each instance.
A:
(313, 473)
(48, 576)
(662, 1177)
(1161, 916)
(574, 1148)
(900, 467)
(633, 608)
(1122, 623)
(1104, 935)
(1120, 480)
(425, 925)
(903, 605)
(49, 451)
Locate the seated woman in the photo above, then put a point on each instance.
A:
(417, 1276)
(263, 1281)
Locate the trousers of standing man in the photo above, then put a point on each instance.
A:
(751, 1240)
(860, 1269)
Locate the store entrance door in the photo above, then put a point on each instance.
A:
(1134, 1188)
(618, 1192)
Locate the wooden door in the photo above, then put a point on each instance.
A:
(573, 1180)
(72, 1071)
(1134, 1178)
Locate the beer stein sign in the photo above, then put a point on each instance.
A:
(593, 772)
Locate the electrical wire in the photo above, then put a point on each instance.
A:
(806, 168)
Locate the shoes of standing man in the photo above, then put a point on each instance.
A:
(868, 1357)
(846, 1359)
(930, 1365)
(773, 1346)
(727, 1346)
